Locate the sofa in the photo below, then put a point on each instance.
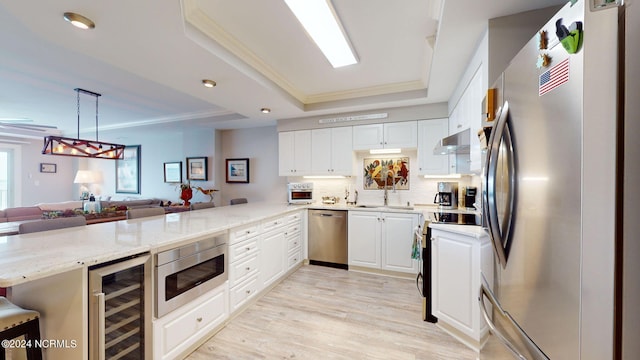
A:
(36, 212)
(20, 213)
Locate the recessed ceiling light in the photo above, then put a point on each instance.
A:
(208, 83)
(79, 21)
(320, 21)
(265, 110)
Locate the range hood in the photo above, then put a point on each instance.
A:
(457, 143)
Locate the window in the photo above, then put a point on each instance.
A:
(9, 176)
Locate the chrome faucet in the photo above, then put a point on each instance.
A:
(386, 193)
(386, 188)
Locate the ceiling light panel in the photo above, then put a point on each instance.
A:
(320, 21)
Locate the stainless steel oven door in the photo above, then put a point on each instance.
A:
(180, 281)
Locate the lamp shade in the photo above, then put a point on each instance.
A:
(84, 177)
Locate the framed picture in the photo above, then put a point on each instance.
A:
(197, 168)
(48, 168)
(237, 170)
(128, 171)
(173, 172)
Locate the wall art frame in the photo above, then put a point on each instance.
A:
(237, 170)
(197, 168)
(48, 168)
(173, 172)
(128, 171)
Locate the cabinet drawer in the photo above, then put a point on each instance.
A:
(292, 230)
(240, 294)
(243, 249)
(295, 257)
(242, 270)
(293, 242)
(181, 331)
(240, 234)
(269, 225)
(294, 218)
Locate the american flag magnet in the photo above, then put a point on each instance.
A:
(554, 77)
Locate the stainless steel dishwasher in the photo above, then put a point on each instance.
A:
(328, 238)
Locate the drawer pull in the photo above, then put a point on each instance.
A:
(295, 243)
(248, 231)
(248, 291)
(199, 319)
(248, 248)
(248, 268)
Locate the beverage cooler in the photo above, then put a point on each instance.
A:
(120, 309)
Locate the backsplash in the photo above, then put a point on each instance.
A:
(421, 191)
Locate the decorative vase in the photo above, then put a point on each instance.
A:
(186, 195)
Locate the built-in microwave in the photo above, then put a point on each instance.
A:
(300, 193)
(184, 273)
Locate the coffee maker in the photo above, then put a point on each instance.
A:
(470, 196)
(447, 195)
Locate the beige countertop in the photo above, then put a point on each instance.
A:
(37, 255)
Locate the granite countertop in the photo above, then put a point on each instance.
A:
(468, 230)
(37, 255)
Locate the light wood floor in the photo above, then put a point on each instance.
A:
(325, 313)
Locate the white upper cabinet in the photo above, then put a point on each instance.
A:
(429, 133)
(332, 151)
(294, 153)
(468, 114)
(387, 135)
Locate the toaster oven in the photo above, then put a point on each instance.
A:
(300, 193)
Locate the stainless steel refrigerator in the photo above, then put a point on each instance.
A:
(553, 192)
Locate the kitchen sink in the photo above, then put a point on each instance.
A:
(388, 207)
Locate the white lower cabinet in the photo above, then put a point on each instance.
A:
(272, 251)
(457, 263)
(177, 331)
(293, 236)
(244, 264)
(382, 240)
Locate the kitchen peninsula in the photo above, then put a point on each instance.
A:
(48, 271)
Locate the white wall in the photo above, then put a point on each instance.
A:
(260, 145)
(158, 147)
(36, 187)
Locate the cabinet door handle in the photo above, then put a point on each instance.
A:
(248, 268)
(248, 248)
(248, 291)
(199, 319)
(433, 239)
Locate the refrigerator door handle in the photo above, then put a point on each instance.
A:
(486, 293)
(498, 236)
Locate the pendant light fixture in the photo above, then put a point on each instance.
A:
(57, 145)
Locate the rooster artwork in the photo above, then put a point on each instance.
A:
(397, 171)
